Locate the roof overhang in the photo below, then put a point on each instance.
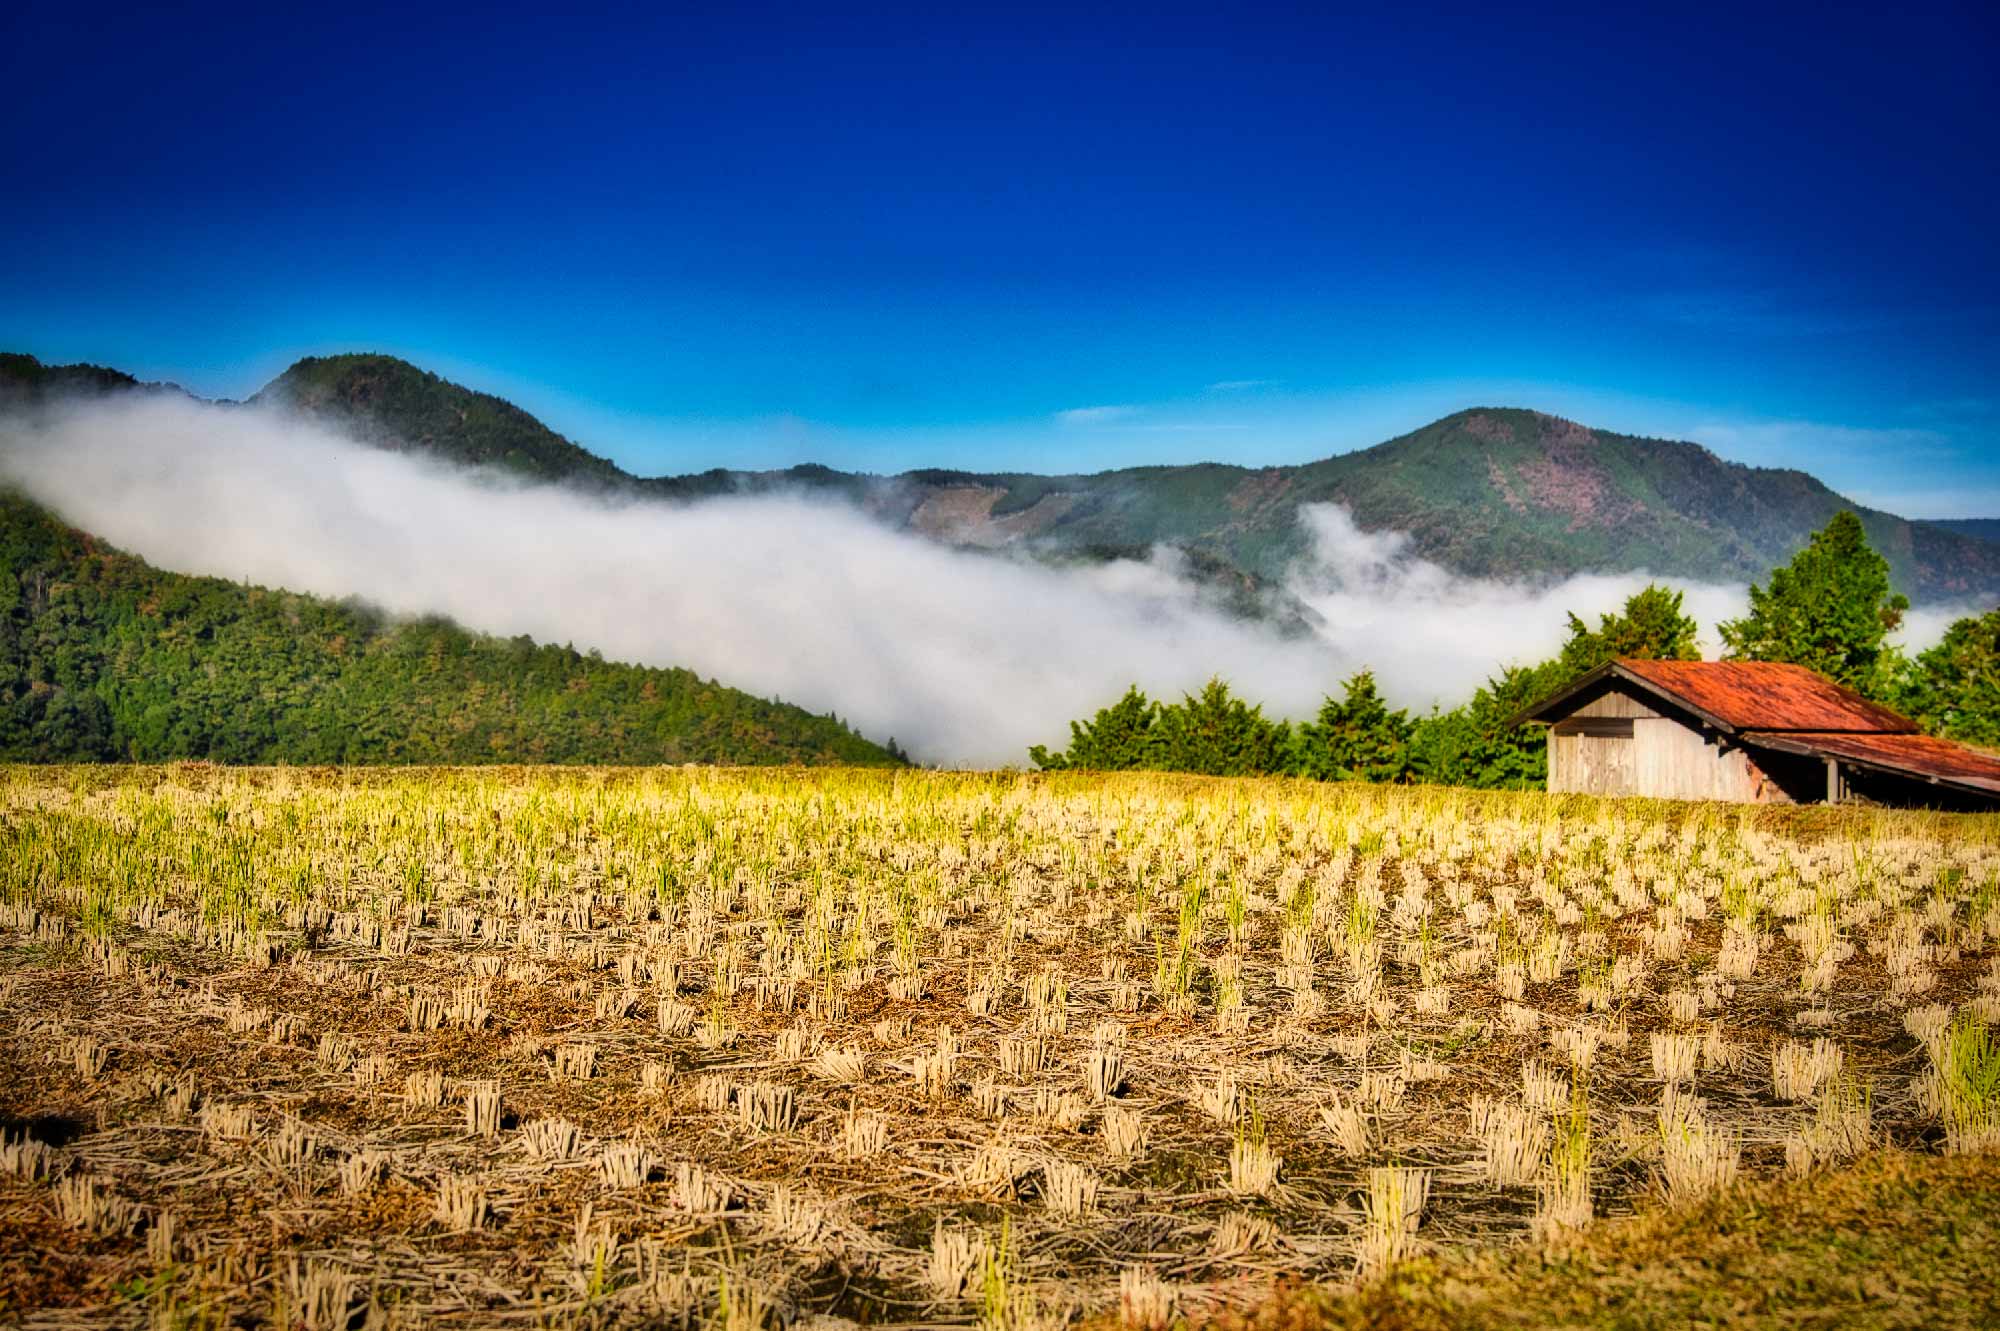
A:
(1538, 713)
(1733, 698)
(1830, 748)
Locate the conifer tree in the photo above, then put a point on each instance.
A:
(1954, 688)
(1218, 734)
(1357, 738)
(1477, 744)
(1118, 739)
(1830, 609)
(1652, 627)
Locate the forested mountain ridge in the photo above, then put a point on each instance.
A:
(390, 403)
(25, 381)
(1500, 492)
(1490, 492)
(1493, 492)
(103, 657)
(1983, 529)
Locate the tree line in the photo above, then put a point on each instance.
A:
(1831, 608)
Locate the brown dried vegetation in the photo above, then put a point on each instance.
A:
(616, 1048)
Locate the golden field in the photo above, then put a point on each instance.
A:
(615, 1047)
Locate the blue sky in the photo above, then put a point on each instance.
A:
(1058, 240)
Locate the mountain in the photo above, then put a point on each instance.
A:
(27, 381)
(1980, 529)
(105, 657)
(1488, 492)
(390, 403)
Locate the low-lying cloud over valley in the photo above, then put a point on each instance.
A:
(965, 658)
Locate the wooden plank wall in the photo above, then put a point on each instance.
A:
(1591, 764)
(1674, 761)
(1665, 758)
(1616, 702)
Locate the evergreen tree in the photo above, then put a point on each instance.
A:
(1475, 745)
(1218, 734)
(1355, 739)
(1653, 627)
(1120, 738)
(1954, 688)
(1830, 609)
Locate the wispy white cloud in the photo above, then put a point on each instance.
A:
(1239, 385)
(1432, 635)
(965, 658)
(1096, 415)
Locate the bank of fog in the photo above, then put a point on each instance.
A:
(964, 658)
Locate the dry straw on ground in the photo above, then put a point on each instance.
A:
(618, 1048)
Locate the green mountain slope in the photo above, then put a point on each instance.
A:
(26, 381)
(1496, 492)
(393, 404)
(104, 657)
(1507, 491)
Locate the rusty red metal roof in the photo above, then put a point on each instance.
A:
(1924, 757)
(1765, 695)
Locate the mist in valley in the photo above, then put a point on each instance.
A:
(965, 658)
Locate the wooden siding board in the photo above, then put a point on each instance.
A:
(1619, 701)
(1676, 761)
(1666, 758)
(1591, 765)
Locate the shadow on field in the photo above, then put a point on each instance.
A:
(48, 1129)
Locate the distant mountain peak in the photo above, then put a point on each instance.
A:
(24, 378)
(1489, 491)
(386, 401)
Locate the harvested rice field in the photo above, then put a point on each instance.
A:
(609, 1048)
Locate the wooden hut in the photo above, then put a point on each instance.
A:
(1749, 731)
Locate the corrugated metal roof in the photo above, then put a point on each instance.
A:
(1766, 696)
(1921, 756)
